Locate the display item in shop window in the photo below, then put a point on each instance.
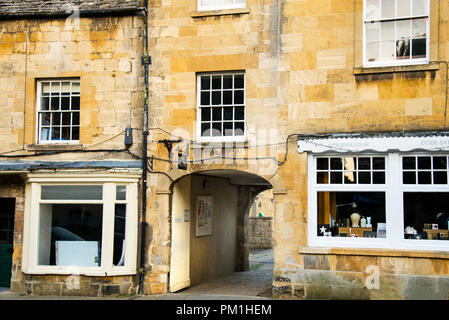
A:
(363, 222)
(410, 230)
(355, 218)
(368, 222)
(442, 219)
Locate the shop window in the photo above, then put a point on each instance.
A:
(58, 111)
(220, 4)
(400, 200)
(90, 227)
(426, 215)
(221, 104)
(396, 32)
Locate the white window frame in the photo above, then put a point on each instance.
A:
(393, 189)
(109, 182)
(201, 138)
(396, 62)
(38, 111)
(227, 4)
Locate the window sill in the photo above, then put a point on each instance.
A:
(208, 13)
(53, 147)
(375, 252)
(432, 66)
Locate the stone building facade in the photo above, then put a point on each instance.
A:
(337, 106)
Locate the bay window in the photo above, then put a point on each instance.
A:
(86, 224)
(390, 200)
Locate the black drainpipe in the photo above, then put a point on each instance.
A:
(145, 62)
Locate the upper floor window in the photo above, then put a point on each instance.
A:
(58, 111)
(396, 32)
(220, 4)
(221, 104)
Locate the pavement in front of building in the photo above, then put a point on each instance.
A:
(254, 284)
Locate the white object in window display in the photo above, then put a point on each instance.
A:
(363, 222)
(77, 253)
(368, 222)
(355, 218)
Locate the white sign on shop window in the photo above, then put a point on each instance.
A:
(403, 144)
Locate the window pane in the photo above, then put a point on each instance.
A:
(45, 103)
(408, 163)
(403, 8)
(56, 134)
(205, 83)
(216, 82)
(387, 31)
(419, 48)
(322, 163)
(70, 234)
(45, 87)
(227, 97)
(228, 128)
(409, 177)
(228, 113)
(75, 103)
(378, 177)
(336, 216)
(56, 118)
(65, 103)
(73, 192)
(205, 114)
(227, 82)
(372, 32)
(378, 163)
(419, 7)
(239, 81)
(424, 177)
(216, 114)
(238, 97)
(45, 134)
(350, 177)
(205, 130)
(440, 162)
(322, 177)
(387, 51)
(216, 129)
(120, 193)
(388, 9)
(75, 133)
(402, 49)
(239, 128)
(75, 87)
(55, 103)
(119, 234)
(424, 162)
(364, 163)
(372, 11)
(440, 177)
(75, 118)
(45, 118)
(365, 177)
(336, 177)
(424, 211)
(216, 97)
(239, 113)
(372, 51)
(205, 98)
(66, 133)
(336, 164)
(419, 28)
(403, 30)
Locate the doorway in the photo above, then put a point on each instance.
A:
(7, 209)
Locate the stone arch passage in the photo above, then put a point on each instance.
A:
(201, 252)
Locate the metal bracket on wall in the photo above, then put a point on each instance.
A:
(169, 144)
(146, 60)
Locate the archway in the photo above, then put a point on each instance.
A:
(210, 225)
